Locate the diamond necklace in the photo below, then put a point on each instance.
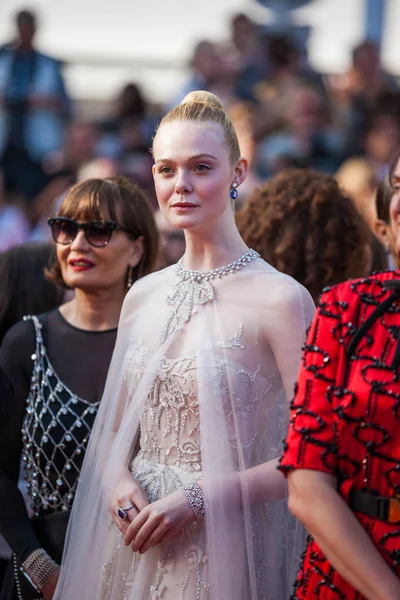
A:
(194, 288)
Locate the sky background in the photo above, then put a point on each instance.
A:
(110, 42)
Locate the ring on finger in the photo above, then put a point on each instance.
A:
(123, 512)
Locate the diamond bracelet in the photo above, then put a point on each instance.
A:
(39, 567)
(195, 497)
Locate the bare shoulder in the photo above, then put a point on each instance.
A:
(283, 293)
(286, 309)
(152, 282)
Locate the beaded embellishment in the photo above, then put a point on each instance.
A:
(195, 497)
(55, 434)
(194, 288)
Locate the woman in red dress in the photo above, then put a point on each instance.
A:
(342, 453)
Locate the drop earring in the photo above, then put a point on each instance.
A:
(234, 192)
(129, 282)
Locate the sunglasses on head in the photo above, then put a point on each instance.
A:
(97, 233)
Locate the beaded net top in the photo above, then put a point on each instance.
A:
(55, 433)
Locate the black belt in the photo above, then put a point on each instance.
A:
(384, 509)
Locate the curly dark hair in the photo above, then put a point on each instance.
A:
(302, 224)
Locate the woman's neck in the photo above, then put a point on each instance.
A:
(94, 312)
(212, 247)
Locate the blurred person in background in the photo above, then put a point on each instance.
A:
(214, 67)
(282, 64)
(246, 39)
(357, 179)
(286, 69)
(204, 70)
(248, 43)
(76, 160)
(367, 78)
(172, 241)
(360, 88)
(57, 363)
(33, 108)
(14, 223)
(24, 289)
(78, 148)
(130, 108)
(125, 136)
(302, 224)
(306, 137)
(381, 138)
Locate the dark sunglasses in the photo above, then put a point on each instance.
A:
(97, 233)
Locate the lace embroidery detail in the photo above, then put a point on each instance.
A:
(233, 342)
(196, 559)
(170, 420)
(55, 433)
(169, 424)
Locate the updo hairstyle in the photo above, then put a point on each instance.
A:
(205, 107)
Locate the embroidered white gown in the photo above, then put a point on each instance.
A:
(197, 389)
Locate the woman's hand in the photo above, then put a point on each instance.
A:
(159, 522)
(127, 493)
(50, 587)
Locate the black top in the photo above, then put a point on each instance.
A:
(58, 372)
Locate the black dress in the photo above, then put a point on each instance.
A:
(57, 373)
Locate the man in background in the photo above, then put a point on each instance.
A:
(33, 108)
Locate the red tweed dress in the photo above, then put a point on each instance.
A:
(345, 417)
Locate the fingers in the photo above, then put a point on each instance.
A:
(124, 503)
(135, 526)
(123, 524)
(139, 498)
(153, 539)
(128, 494)
(146, 530)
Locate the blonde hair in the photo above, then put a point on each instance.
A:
(205, 107)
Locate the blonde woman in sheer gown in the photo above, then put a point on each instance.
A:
(185, 447)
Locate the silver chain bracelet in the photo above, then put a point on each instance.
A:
(195, 497)
(39, 567)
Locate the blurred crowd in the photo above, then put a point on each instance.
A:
(285, 113)
(316, 203)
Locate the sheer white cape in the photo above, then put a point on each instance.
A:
(208, 403)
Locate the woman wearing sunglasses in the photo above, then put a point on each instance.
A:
(57, 363)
